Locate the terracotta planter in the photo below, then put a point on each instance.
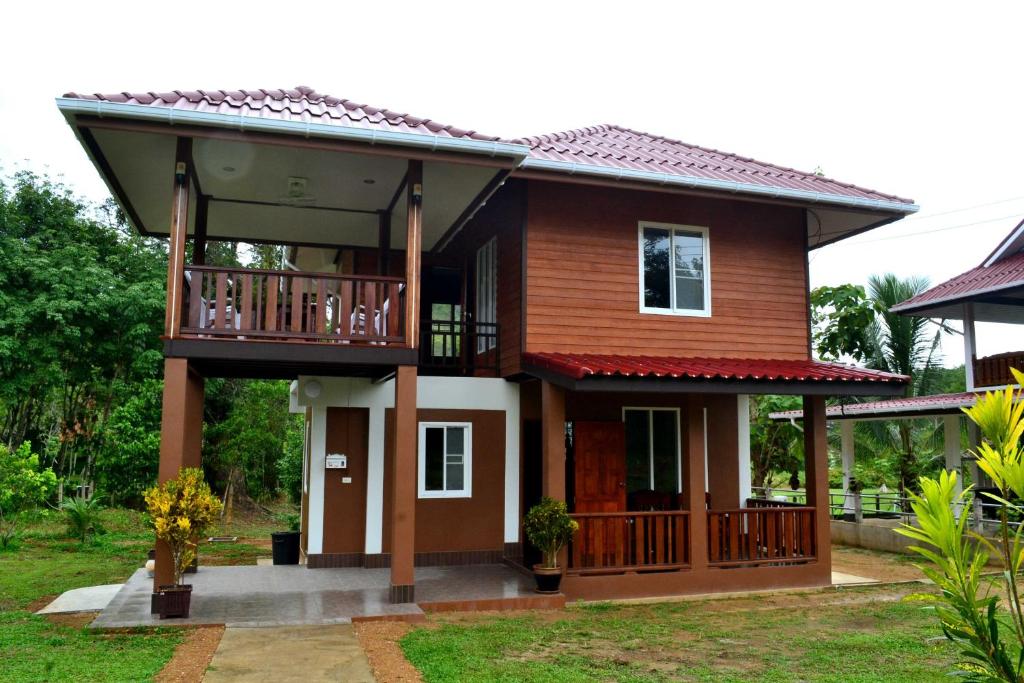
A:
(548, 579)
(175, 601)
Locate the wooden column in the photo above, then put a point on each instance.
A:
(413, 245)
(181, 438)
(178, 234)
(694, 486)
(199, 239)
(383, 243)
(403, 494)
(723, 452)
(816, 472)
(552, 406)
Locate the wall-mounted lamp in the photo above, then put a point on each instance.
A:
(312, 389)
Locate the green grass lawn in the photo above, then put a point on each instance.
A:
(46, 563)
(855, 636)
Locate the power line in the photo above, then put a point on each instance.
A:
(920, 217)
(942, 229)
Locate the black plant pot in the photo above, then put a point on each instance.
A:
(175, 601)
(548, 579)
(285, 547)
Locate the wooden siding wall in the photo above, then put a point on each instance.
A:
(583, 275)
(502, 216)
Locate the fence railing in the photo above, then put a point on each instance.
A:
(993, 371)
(780, 534)
(612, 542)
(454, 345)
(244, 303)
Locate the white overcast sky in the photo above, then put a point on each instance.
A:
(918, 99)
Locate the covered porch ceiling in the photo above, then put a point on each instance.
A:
(272, 193)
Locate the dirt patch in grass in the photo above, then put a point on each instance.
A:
(379, 640)
(874, 565)
(192, 656)
(72, 619)
(40, 602)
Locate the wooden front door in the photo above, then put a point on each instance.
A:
(599, 466)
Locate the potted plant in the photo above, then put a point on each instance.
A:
(180, 510)
(285, 544)
(549, 527)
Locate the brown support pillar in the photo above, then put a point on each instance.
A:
(178, 233)
(694, 487)
(816, 472)
(383, 243)
(413, 245)
(199, 239)
(403, 495)
(723, 452)
(552, 407)
(181, 438)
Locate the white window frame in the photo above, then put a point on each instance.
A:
(650, 441)
(487, 291)
(673, 228)
(467, 461)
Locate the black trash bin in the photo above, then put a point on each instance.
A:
(285, 546)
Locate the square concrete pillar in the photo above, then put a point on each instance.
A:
(816, 472)
(552, 406)
(694, 485)
(403, 479)
(723, 469)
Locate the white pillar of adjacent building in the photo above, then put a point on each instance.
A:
(951, 446)
(743, 452)
(969, 346)
(848, 452)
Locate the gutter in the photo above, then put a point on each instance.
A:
(434, 143)
(691, 182)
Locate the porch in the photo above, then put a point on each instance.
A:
(294, 595)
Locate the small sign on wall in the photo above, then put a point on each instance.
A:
(337, 461)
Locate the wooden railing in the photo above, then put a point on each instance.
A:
(288, 305)
(616, 542)
(771, 503)
(756, 536)
(453, 346)
(994, 371)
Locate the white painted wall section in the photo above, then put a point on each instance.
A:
(743, 441)
(317, 457)
(848, 453)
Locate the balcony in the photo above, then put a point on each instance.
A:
(457, 347)
(994, 371)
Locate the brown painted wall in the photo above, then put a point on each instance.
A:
(345, 504)
(453, 524)
(583, 275)
(502, 216)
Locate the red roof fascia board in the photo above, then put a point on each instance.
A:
(1005, 274)
(623, 148)
(301, 103)
(580, 366)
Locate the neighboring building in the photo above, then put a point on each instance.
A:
(472, 323)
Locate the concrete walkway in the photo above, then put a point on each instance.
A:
(305, 654)
(89, 599)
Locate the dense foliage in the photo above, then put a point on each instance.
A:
(22, 485)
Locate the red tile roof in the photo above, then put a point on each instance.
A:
(622, 148)
(937, 404)
(301, 103)
(578, 366)
(1001, 275)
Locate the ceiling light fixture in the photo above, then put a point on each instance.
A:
(229, 169)
(369, 181)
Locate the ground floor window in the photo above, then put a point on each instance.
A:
(445, 460)
(652, 450)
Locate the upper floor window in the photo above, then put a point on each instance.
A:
(487, 293)
(445, 460)
(674, 274)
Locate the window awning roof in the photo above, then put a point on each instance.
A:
(602, 372)
(908, 407)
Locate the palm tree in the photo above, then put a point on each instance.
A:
(905, 345)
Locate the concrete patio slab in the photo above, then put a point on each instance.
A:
(291, 653)
(88, 599)
(295, 595)
(842, 579)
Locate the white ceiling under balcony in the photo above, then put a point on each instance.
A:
(251, 200)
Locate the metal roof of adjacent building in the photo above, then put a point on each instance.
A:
(579, 366)
(295, 104)
(912, 407)
(623, 148)
(1004, 274)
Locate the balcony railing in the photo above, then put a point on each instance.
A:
(615, 542)
(994, 371)
(780, 534)
(459, 347)
(241, 303)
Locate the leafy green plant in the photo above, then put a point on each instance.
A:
(973, 613)
(22, 486)
(181, 510)
(82, 516)
(292, 520)
(548, 526)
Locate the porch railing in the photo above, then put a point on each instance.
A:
(994, 371)
(244, 303)
(757, 536)
(453, 346)
(617, 542)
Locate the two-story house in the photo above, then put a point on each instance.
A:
(473, 322)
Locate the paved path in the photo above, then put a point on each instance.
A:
(306, 654)
(89, 599)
